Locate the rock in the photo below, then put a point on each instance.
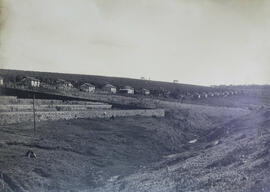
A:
(113, 178)
(30, 154)
(217, 142)
(193, 141)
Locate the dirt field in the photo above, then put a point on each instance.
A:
(191, 149)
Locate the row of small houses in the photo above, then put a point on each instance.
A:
(85, 87)
(88, 87)
(109, 88)
(214, 94)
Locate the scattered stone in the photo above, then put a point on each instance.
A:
(31, 154)
(113, 178)
(217, 142)
(193, 141)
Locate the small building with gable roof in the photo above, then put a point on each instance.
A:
(127, 89)
(143, 91)
(1, 80)
(30, 81)
(88, 87)
(109, 88)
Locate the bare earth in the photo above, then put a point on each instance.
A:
(230, 152)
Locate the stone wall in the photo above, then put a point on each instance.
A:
(24, 108)
(7, 99)
(14, 100)
(127, 101)
(18, 117)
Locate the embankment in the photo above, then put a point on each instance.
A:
(17, 117)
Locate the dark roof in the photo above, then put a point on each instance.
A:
(88, 85)
(31, 78)
(127, 87)
(109, 86)
(143, 89)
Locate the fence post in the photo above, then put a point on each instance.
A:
(34, 113)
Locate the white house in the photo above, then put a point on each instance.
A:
(144, 91)
(197, 96)
(127, 89)
(87, 87)
(226, 93)
(109, 88)
(1, 81)
(217, 93)
(30, 81)
(211, 94)
(204, 95)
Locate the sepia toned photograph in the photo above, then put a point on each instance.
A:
(134, 96)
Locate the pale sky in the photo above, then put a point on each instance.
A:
(202, 42)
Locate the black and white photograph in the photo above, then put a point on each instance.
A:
(134, 95)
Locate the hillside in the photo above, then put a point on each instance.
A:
(237, 158)
(100, 81)
(210, 144)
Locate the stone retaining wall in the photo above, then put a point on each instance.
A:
(25, 108)
(121, 100)
(8, 99)
(18, 117)
(13, 100)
